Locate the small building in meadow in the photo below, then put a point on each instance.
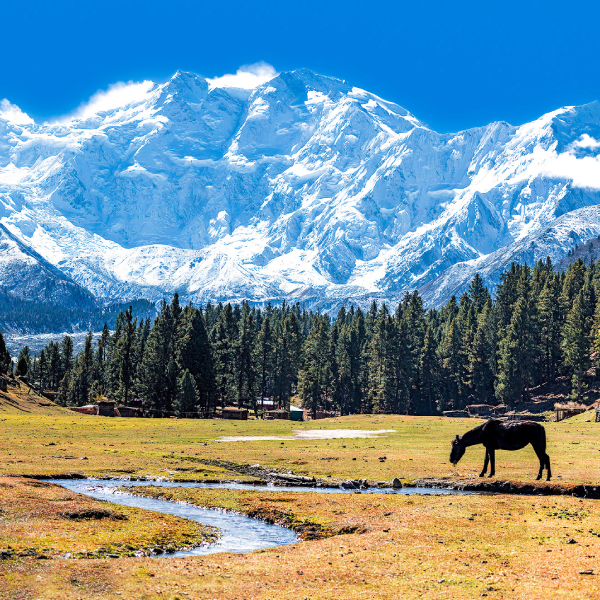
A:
(128, 411)
(567, 410)
(480, 410)
(296, 414)
(232, 412)
(106, 408)
(278, 414)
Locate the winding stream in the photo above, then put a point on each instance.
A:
(238, 533)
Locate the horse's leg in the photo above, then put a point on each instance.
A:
(485, 463)
(548, 467)
(542, 458)
(492, 453)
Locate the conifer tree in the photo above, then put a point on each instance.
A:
(5, 358)
(100, 362)
(514, 357)
(550, 324)
(66, 358)
(187, 395)
(287, 358)
(428, 380)
(313, 378)
(480, 377)
(451, 366)
(76, 386)
(223, 340)
(125, 369)
(244, 360)
(357, 362)
(23, 362)
(264, 357)
(155, 384)
(478, 294)
(576, 342)
(193, 353)
(382, 385)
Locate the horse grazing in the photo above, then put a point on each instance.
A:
(500, 435)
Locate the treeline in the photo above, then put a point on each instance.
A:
(542, 324)
(41, 317)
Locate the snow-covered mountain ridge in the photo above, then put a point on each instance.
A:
(303, 188)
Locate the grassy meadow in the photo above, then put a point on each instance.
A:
(54, 441)
(399, 546)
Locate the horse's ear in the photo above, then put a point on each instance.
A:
(456, 438)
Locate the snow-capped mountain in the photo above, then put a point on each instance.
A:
(26, 275)
(304, 187)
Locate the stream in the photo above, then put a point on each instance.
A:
(238, 533)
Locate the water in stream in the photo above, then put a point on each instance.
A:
(238, 533)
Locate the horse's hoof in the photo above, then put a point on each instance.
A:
(490, 475)
(538, 478)
(481, 474)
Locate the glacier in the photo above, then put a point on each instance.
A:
(303, 188)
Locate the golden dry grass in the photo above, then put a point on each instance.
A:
(515, 545)
(412, 547)
(57, 443)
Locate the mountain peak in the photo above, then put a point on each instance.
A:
(296, 186)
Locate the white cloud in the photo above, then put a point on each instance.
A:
(12, 113)
(583, 172)
(247, 76)
(586, 141)
(117, 94)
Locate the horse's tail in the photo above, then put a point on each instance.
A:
(543, 438)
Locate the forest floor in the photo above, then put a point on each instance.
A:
(403, 546)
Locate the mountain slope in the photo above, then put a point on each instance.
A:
(303, 188)
(26, 275)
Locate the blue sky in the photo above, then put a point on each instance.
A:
(452, 64)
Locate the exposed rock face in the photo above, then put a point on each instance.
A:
(303, 188)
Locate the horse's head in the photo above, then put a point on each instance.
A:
(458, 450)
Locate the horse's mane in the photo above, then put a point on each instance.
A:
(473, 435)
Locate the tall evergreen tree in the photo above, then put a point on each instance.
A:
(264, 357)
(187, 395)
(428, 373)
(5, 358)
(314, 376)
(576, 342)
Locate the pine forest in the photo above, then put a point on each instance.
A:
(541, 324)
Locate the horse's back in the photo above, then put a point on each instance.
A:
(514, 435)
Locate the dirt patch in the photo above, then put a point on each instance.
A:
(98, 514)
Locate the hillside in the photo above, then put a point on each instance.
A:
(21, 399)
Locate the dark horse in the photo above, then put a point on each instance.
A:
(501, 435)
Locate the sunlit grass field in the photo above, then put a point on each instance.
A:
(402, 546)
(61, 441)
